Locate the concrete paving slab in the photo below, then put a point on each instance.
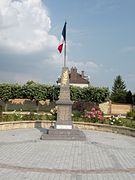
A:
(103, 156)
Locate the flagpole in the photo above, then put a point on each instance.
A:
(65, 48)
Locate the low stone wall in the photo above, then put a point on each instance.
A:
(24, 124)
(104, 127)
(81, 125)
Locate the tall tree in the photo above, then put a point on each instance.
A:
(118, 90)
(34, 91)
(5, 93)
(129, 98)
(133, 97)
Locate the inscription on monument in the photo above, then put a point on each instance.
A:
(64, 113)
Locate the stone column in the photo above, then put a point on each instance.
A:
(64, 104)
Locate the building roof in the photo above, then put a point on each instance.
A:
(76, 78)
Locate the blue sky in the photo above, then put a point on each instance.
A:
(100, 40)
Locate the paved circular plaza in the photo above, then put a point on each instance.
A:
(103, 156)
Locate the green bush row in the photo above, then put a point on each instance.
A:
(19, 117)
(131, 115)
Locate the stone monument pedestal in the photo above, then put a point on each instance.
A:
(64, 134)
(64, 111)
(63, 129)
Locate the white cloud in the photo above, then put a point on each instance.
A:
(25, 26)
(27, 49)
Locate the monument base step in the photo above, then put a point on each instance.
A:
(64, 134)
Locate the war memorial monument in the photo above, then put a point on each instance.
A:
(63, 128)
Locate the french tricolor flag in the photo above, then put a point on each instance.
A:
(63, 38)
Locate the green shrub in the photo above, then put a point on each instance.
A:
(131, 114)
(11, 117)
(26, 117)
(77, 114)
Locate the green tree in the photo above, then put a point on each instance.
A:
(34, 91)
(30, 82)
(89, 94)
(76, 93)
(16, 91)
(5, 93)
(95, 94)
(118, 90)
(129, 98)
(38, 93)
(53, 92)
(133, 99)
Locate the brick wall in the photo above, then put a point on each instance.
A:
(114, 108)
(120, 108)
(27, 105)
